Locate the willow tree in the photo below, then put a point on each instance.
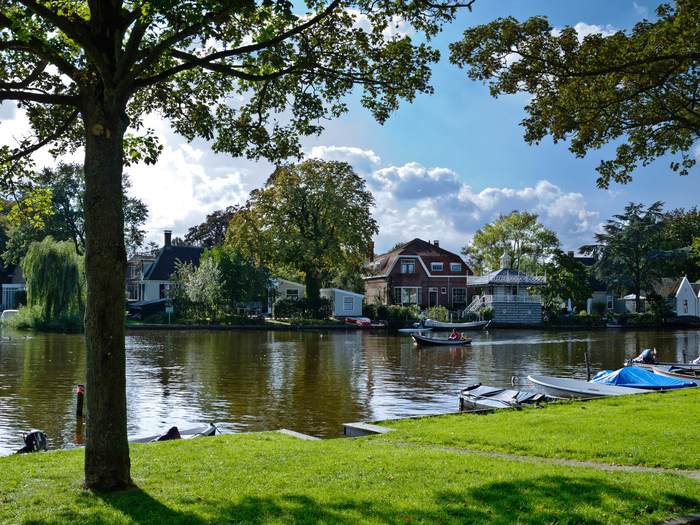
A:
(250, 77)
(638, 88)
(52, 271)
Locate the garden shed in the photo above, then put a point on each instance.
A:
(343, 303)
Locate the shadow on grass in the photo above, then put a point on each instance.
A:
(546, 499)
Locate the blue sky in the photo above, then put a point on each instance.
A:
(442, 166)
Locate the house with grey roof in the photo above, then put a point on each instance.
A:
(508, 292)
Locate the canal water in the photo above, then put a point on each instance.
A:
(305, 381)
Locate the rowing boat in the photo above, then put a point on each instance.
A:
(439, 341)
(473, 325)
(208, 430)
(563, 387)
(679, 372)
(414, 330)
(482, 397)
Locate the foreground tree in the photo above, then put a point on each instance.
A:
(520, 235)
(61, 213)
(87, 71)
(642, 86)
(313, 218)
(628, 250)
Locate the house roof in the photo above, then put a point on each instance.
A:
(505, 276)
(667, 287)
(428, 253)
(696, 288)
(164, 265)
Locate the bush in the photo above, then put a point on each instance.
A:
(394, 312)
(301, 308)
(438, 313)
(486, 313)
(598, 308)
(32, 318)
(582, 313)
(370, 310)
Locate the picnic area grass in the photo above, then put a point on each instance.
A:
(406, 476)
(657, 429)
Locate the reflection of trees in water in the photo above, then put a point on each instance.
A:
(39, 374)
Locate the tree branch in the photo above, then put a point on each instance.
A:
(17, 155)
(42, 98)
(24, 84)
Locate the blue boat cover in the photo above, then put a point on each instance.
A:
(636, 377)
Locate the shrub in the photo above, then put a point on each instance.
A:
(486, 313)
(301, 308)
(32, 318)
(370, 310)
(438, 313)
(598, 307)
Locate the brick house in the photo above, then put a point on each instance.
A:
(418, 272)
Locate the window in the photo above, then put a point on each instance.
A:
(459, 296)
(443, 290)
(436, 267)
(685, 306)
(293, 294)
(164, 290)
(348, 304)
(455, 267)
(408, 267)
(406, 295)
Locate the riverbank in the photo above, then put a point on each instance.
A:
(409, 475)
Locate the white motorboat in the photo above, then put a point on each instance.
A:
(563, 387)
(439, 325)
(414, 330)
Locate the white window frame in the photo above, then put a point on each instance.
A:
(443, 290)
(455, 267)
(437, 267)
(402, 296)
(351, 303)
(456, 289)
(406, 263)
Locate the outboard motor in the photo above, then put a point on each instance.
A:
(647, 357)
(173, 433)
(34, 441)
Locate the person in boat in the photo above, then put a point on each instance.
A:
(455, 335)
(647, 357)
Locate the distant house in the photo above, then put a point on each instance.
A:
(507, 291)
(13, 287)
(420, 273)
(343, 302)
(687, 298)
(156, 281)
(136, 267)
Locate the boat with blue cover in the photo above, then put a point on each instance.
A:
(637, 377)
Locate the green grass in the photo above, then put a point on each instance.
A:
(272, 478)
(651, 429)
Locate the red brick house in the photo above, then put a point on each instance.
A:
(418, 272)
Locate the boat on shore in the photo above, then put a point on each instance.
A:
(567, 388)
(482, 397)
(679, 372)
(423, 340)
(203, 431)
(440, 325)
(414, 330)
(638, 377)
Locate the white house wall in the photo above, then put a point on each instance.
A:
(686, 300)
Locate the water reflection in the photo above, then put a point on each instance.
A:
(310, 382)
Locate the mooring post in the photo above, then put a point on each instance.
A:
(588, 365)
(79, 399)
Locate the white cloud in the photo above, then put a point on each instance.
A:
(396, 28)
(640, 9)
(584, 29)
(363, 160)
(413, 181)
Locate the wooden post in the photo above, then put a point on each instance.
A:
(79, 399)
(588, 365)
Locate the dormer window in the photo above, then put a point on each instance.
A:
(436, 267)
(455, 267)
(408, 266)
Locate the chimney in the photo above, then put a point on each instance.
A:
(436, 244)
(571, 253)
(370, 251)
(168, 235)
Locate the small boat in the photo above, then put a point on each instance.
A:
(679, 372)
(414, 330)
(362, 322)
(482, 397)
(638, 377)
(203, 431)
(443, 341)
(473, 325)
(650, 366)
(566, 388)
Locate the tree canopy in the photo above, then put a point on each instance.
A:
(567, 279)
(250, 78)
(212, 232)
(639, 89)
(630, 256)
(51, 203)
(313, 218)
(518, 234)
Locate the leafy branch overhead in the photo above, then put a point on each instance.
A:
(250, 78)
(639, 89)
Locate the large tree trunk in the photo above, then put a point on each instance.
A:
(313, 292)
(107, 465)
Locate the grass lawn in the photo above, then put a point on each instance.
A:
(650, 429)
(272, 478)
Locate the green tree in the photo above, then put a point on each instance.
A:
(629, 255)
(251, 78)
(312, 217)
(212, 232)
(53, 273)
(242, 281)
(519, 235)
(681, 228)
(567, 279)
(639, 88)
(51, 203)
